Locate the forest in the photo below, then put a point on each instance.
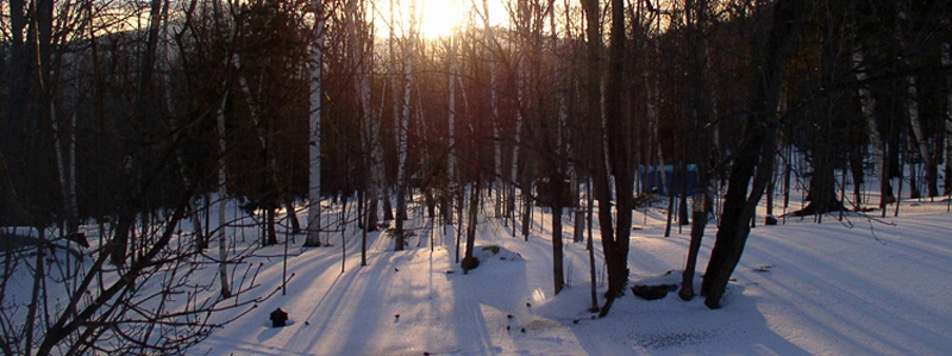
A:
(140, 139)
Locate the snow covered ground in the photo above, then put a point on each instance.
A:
(853, 287)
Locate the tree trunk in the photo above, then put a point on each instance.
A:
(517, 139)
(683, 193)
(914, 192)
(758, 148)
(403, 131)
(494, 106)
(362, 217)
(947, 62)
(66, 164)
(291, 213)
(315, 104)
(222, 196)
(201, 240)
(617, 128)
(558, 274)
(856, 171)
(701, 204)
(599, 169)
(912, 107)
(272, 233)
(868, 108)
(451, 179)
(670, 214)
(35, 296)
(472, 219)
(370, 133)
(822, 192)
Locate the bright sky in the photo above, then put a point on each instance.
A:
(438, 18)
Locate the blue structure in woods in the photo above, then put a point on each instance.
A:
(652, 181)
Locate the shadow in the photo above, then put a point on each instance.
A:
(851, 296)
(672, 326)
(482, 299)
(269, 331)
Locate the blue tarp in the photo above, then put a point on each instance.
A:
(652, 182)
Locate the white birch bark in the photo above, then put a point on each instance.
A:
(712, 98)
(517, 138)
(912, 105)
(71, 199)
(314, 147)
(946, 63)
(451, 155)
(868, 108)
(66, 164)
(371, 132)
(494, 106)
(222, 194)
(403, 126)
(652, 90)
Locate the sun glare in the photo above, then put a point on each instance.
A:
(440, 18)
(437, 18)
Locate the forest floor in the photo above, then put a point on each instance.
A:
(857, 286)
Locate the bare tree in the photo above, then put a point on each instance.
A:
(755, 156)
(912, 103)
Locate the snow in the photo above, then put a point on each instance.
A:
(859, 286)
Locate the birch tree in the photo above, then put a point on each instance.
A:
(947, 63)
(492, 45)
(315, 64)
(403, 126)
(451, 179)
(362, 56)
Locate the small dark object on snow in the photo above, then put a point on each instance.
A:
(528, 305)
(79, 238)
(523, 330)
(306, 323)
(770, 220)
(508, 327)
(426, 353)
(396, 269)
(653, 292)
(396, 316)
(279, 318)
(574, 321)
(492, 248)
(508, 316)
(450, 272)
(469, 263)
